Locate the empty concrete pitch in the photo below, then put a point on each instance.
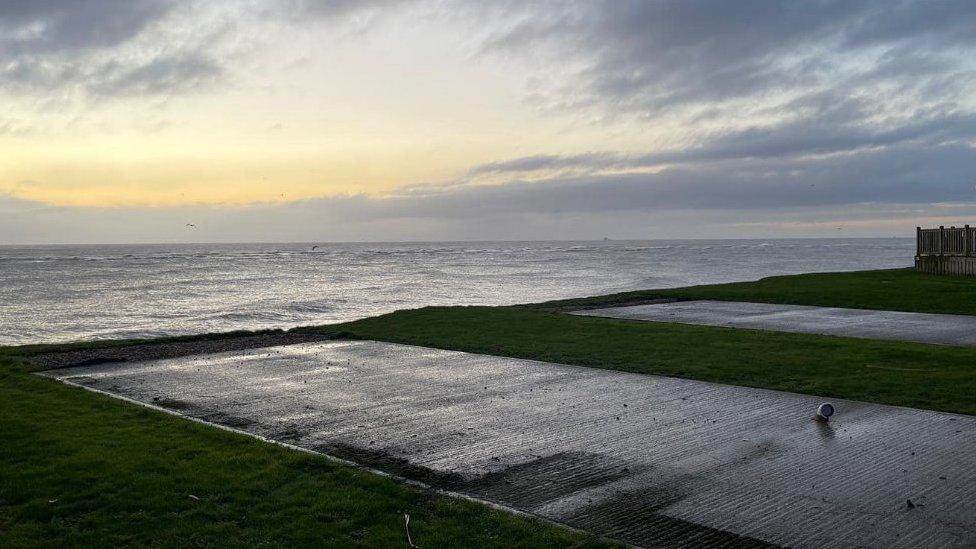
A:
(649, 460)
(891, 325)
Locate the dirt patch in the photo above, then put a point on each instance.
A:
(289, 435)
(227, 420)
(635, 517)
(523, 486)
(535, 483)
(100, 360)
(383, 461)
(174, 349)
(174, 404)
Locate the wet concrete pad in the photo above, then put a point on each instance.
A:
(646, 459)
(862, 323)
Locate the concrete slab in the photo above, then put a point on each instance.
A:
(645, 459)
(862, 323)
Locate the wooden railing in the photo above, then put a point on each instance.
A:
(945, 241)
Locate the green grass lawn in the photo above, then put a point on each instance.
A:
(893, 290)
(81, 469)
(908, 374)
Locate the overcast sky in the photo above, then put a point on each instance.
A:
(263, 120)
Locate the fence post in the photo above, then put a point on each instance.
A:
(918, 241)
(966, 243)
(941, 240)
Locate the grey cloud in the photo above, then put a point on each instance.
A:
(941, 24)
(785, 141)
(104, 48)
(901, 174)
(860, 101)
(552, 162)
(10, 205)
(141, 47)
(337, 9)
(13, 128)
(44, 26)
(825, 135)
(649, 56)
(897, 174)
(178, 73)
(174, 73)
(826, 77)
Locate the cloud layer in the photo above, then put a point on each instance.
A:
(58, 49)
(753, 106)
(781, 103)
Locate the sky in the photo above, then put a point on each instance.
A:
(129, 121)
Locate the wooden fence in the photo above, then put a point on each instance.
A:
(946, 250)
(945, 241)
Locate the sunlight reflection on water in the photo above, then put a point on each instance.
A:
(63, 293)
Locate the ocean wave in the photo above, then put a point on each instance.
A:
(311, 307)
(247, 316)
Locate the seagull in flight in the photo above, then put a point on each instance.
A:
(191, 225)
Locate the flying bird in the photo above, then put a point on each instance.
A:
(191, 225)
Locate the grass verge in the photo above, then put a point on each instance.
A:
(907, 374)
(81, 469)
(891, 290)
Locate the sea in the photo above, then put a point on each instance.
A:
(67, 293)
